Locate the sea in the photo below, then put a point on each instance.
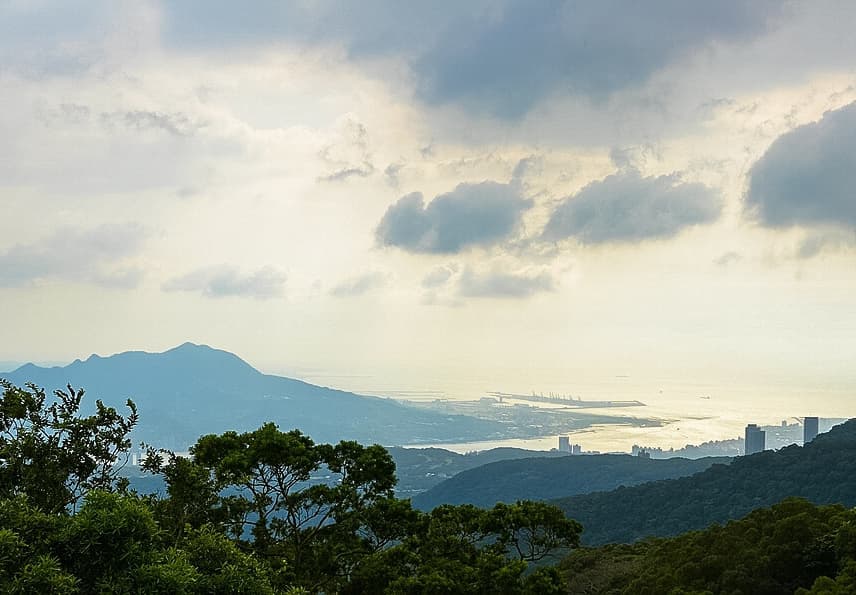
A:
(688, 412)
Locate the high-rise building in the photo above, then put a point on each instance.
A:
(810, 426)
(576, 449)
(564, 444)
(755, 439)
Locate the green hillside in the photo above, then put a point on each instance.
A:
(548, 478)
(791, 547)
(823, 472)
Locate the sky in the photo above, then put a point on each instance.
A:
(489, 195)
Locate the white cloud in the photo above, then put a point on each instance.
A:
(222, 281)
(90, 255)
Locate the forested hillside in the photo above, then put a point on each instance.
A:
(788, 548)
(823, 472)
(548, 478)
(240, 516)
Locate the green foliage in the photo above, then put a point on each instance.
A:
(823, 472)
(465, 549)
(43, 575)
(843, 584)
(52, 454)
(783, 549)
(108, 539)
(532, 529)
(256, 512)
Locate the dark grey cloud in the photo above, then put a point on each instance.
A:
(228, 281)
(499, 56)
(627, 207)
(359, 285)
(499, 284)
(92, 255)
(527, 50)
(483, 214)
(808, 176)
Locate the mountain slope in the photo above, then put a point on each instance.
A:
(547, 478)
(193, 390)
(419, 469)
(824, 472)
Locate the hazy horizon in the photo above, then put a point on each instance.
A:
(692, 412)
(603, 199)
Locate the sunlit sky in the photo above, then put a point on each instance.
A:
(498, 195)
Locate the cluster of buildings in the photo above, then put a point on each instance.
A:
(755, 438)
(566, 446)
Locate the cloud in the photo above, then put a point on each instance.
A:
(498, 284)
(392, 173)
(79, 255)
(359, 285)
(626, 207)
(808, 176)
(728, 258)
(500, 57)
(819, 242)
(471, 215)
(349, 156)
(526, 166)
(176, 123)
(521, 52)
(228, 281)
(439, 276)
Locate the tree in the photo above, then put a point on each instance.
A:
(54, 455)
(532, 530)
(257, 486)
(464, 549)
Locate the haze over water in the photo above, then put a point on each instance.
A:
(689, 417)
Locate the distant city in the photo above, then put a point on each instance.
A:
(756, 439)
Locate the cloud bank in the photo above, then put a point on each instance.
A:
(78, 255)
(502, 56)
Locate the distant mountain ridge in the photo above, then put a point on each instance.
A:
(543, 478)
(823, 471)
(192, 390)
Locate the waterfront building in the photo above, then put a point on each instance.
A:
(755, 440)
(810, 427)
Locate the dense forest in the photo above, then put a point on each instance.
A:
(824, 472)
(791, 547)
(239, 517)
